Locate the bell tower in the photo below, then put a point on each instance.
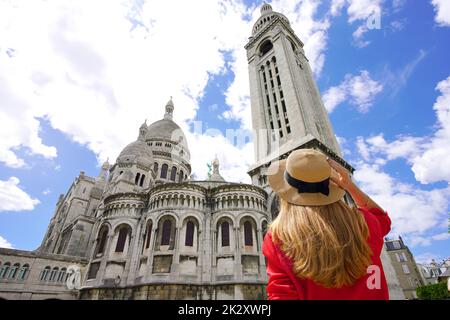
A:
(287, 109)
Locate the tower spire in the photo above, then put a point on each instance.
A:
(169, 109)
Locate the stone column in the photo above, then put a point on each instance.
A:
(133, 254)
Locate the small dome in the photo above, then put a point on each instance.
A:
(266, 8)
(136, 150)
(267, 15)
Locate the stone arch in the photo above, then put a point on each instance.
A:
(224, 229)
(147, 234)
(190, 233)
(248, 235)
(102, 239)
(123, 232)
(166, 232)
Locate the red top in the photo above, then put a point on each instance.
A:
(284, 285)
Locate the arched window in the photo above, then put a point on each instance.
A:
(136, 180)
(103, 235)
(53, 274)
(4, 270)
(45, 274)
(248, 233)
(62, 275)
(190, 227)
(173, 173)
(155, 167)
(23, 272)
(164, 169)
(180, 178)
(13, 271)
(142, 180)
(165, 237)
(122, 238)
(225, 228)
(148, 234)
(264, 228)
(265, 47)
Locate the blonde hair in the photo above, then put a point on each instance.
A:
(327, 244)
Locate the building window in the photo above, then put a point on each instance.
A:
(155, 167)
(180, 178)
(225, 229)
(401, 257)
(248, 233)
(164, 169)
(405, 268)
(396, 244)
(45, 273)
(53, 274)
(141, 183)
(4, 270)
(136, 180)
(23, 272)
(148, 234)
(165, 237)
(13, 271)
(123, 234)
(102, 240)
(93, 270)
(62, 275)
(173, 173)
(265, 47)
(190, 227)
(264, 228)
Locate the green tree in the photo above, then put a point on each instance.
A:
(436, 291)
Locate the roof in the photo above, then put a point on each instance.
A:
(166, 129)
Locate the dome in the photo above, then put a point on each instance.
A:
(267, 15)
(136, 150)
(166, 129)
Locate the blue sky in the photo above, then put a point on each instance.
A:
(74, 89)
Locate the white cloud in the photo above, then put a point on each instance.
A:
(360, 90)
(431, 165)
(427, 257)
(95, 70)
(428, 155)
(13, 198)
(5, 243)
(413, 211)
(333, 97)
(420, 215)
(417, 240)
(366, 12)
(442, 8)
(46, 192)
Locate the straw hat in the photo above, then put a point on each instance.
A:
(304, 179)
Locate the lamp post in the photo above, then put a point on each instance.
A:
(116, 284)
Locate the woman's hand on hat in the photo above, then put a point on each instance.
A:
(340, 175)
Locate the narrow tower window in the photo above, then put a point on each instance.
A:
(248, 234)
(165, 237)
(123, 233)
(173, 173)
(148, 235)
(136, 180)
(164, 169)
(189, 241)
(225, 228)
